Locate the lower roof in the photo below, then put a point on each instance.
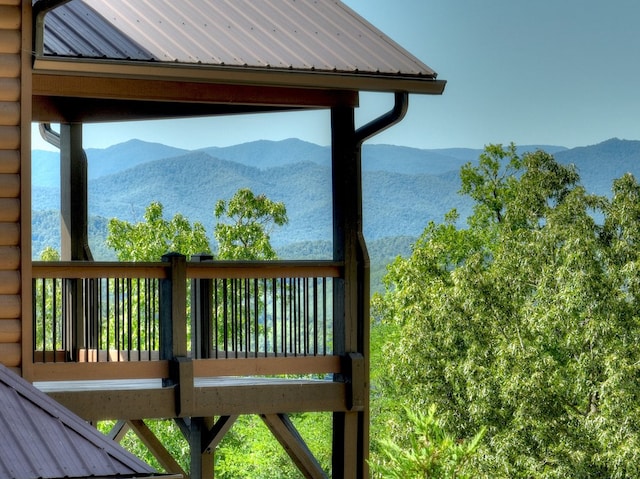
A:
(42, 439)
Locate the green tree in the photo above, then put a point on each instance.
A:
(429, 452)
(251, 219)
(150, 239)
(526, 321)
(49, 254)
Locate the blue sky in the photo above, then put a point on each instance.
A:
(546, 72)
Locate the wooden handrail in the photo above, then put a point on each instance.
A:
(104, 370)
(203, 270)
(97, 269)
(264, 269)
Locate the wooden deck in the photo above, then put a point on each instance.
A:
(260, 327)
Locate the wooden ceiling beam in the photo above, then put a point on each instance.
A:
(164, 96)
(47, 109)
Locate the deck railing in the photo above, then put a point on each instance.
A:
(125, 312)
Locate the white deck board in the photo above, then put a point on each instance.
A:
(138, 384)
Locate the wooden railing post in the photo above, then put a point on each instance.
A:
(173, 307)
(173, 332)
(201, 290)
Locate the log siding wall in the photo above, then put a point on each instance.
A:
(11, 62)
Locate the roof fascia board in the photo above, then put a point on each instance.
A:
(244, 76)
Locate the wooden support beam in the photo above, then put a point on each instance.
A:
(109, 404)
(156, 448)
(217, 431)
(181, 374)
(348, 456)
(118, 431)
(351, 313)
(354, 369)
(230, 399)
(201, 456)
(203, 435)
(175, 91)
(287, 435)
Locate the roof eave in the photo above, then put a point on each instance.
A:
(313, 79)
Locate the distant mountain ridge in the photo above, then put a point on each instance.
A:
(264, 154)
(404, 188)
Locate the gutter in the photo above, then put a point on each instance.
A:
(314, 79)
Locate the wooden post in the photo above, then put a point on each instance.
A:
(173, 307)
(73, 193)
(73, 229)
(200, 442)
(350, 429)
(201, 290)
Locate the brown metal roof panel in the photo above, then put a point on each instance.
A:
(297, 34)
(41, 439)
(352, 43)
(75, 29)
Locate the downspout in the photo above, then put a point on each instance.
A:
(360, 374)
(40, 9)
(49, 135)
(374, 127)
(385, 121)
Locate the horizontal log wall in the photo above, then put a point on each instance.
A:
(10, 143)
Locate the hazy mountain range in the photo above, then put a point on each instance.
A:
(404, 188)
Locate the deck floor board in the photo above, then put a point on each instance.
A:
(128, 384)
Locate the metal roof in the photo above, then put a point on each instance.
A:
(42, 439)
(310, 36)
(77, 30)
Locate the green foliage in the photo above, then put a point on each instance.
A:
(151, 239)
(428, 452)
(526, 321)
(49, 254)
(167, 432)
(48, 336)
(250, 450)
(252, 219)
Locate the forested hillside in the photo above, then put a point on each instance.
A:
(404, 188)
(519, 330)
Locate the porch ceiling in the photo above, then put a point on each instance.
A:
(288, 49)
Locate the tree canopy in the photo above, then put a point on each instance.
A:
(150, 239)
(250, 220)
(526, 321)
